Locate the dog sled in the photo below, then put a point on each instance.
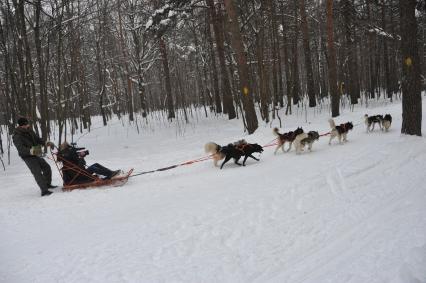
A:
(83, 179)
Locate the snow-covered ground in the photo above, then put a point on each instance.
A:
(342, 213)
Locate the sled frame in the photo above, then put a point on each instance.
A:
(95, 181)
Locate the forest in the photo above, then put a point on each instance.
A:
(64, 61)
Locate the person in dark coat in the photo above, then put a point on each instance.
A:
(74, 168)
(29, 147)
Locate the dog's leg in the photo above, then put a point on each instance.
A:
(310, 146)
(297, 148)
(282, 147)
(340, 138)
(227, 158)
(344, 137)
(331, 137)
(277, 148)
(257, 159)
(216, 158)
(245, 159)
(289, 147)
(236, 161)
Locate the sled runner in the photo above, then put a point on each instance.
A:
(82, 179)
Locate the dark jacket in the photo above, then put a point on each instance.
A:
(24, 139)
(70, 154)
(69, 157)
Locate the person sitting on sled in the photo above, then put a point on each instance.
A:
(74, 168)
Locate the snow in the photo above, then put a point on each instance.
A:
(165, 22)
(381, 32)
(148, 24)
(172, 13)
(341, 213)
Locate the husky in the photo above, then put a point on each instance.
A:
(386, 122)
(305, 139)
(371, 121)
(232, 150)
(340, 131)
(286, 137)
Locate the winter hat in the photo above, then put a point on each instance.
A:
(22, 121)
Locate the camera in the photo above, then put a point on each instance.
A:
(81, 151)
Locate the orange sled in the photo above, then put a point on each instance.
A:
(91, 180)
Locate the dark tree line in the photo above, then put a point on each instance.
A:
(64, 61)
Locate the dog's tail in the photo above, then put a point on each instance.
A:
(276, 132)
(211, 147)
(332, 124)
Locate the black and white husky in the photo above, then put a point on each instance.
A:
(286, 137)
(386, 122)
(371, 121)
(340, 131)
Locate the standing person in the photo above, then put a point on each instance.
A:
(29, 148)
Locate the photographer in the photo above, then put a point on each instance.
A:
(75, 156)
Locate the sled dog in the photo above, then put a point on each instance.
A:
(386, 122)
(340, 131)
(232, 150)
(305, 139)
(286, 137)
(371, 121)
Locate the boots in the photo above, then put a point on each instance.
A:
(46, 193)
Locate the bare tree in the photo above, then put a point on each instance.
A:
(332, 64)
(245, 88)
(411, 95)
(307, 51)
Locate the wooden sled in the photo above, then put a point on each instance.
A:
(92, 180)
(99, 182)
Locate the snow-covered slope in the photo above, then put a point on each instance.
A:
(342, 213)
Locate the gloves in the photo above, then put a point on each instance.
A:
(36, 150)
(50, 144)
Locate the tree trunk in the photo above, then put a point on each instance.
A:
(215, 78)
(237, 44)
(286, 63)
(411, 88)
(263, 90)
(164, 59)
(332, 64)
(216, 16)
(295, 61)
(44, 111)
(386, 55)
(372, 63)
(353, 80)
(129, 90)
(307, 49)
